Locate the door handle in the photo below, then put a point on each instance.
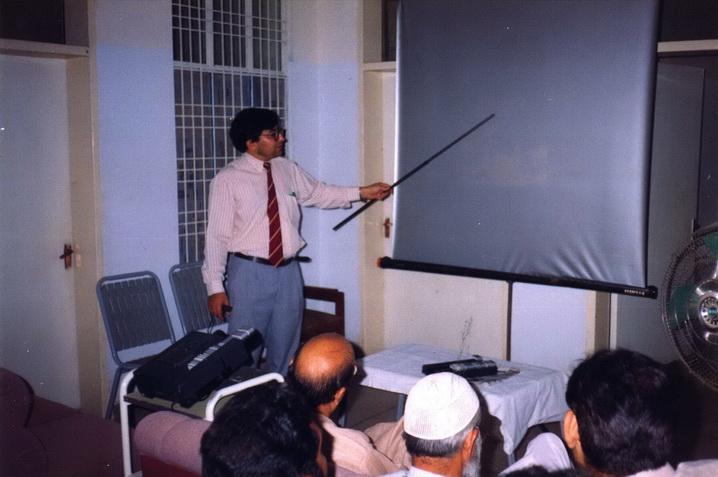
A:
(67, 255)
(387, 227)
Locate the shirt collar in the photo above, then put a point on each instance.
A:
(253, 162)
(416, 472)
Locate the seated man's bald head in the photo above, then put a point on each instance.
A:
(323, 366)
(323, 356)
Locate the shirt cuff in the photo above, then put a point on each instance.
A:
(354, 195)
(213, 288)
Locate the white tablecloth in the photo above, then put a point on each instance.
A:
(533, 396)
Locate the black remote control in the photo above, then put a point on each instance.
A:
(467, 368)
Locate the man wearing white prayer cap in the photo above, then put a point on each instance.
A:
(441, 430)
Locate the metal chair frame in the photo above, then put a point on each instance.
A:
(190, 297)
(135, 314)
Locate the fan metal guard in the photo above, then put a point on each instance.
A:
(689, 302)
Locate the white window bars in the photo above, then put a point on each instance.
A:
(228, 55)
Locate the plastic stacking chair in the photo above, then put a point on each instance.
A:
(191, 297)
(135, 314)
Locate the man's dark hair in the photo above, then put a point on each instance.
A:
(623, 402)
(248, 125)
(263, 431)
(321, 391)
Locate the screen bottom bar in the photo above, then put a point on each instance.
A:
(388, 262)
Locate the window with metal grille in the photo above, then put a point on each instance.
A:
(228, 55)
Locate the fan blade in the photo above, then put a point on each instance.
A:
(678, 306)
(711, 241)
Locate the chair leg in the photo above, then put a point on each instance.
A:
(113, 393)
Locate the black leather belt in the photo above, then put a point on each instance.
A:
(263, 261)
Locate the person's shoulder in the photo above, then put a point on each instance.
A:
(283, 162)
(340, 471)
(698, 468)
(546, 440)
(545, 450)
(231, 169)
(398, 473)
(345, 433)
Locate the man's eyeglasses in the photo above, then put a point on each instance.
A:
(275, 133)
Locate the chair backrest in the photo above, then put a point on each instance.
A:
(134, 311)
(316, 321)
(191, 297)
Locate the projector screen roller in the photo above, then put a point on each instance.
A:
(556, 185)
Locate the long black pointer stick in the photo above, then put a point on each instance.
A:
(416, 169)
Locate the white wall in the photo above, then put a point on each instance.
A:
(549, 325)
(135, 113)
(324, 120)
(132, 42)
(462, 314)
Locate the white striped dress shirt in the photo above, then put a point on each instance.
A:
(237, 213)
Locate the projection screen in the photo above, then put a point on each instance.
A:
(553, 189)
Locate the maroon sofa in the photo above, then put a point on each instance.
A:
(42, 438)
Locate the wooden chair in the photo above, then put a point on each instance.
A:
(317, 322)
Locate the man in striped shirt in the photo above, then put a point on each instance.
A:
(254, 203)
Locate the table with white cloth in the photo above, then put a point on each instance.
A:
(533, 396)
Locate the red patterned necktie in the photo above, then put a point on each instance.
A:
(276, 255)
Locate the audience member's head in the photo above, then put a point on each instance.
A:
(248, 125)
(322, 369)
(620, 419)
(267, 430)
(441, 421)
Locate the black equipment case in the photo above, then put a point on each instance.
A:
(190, 369)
